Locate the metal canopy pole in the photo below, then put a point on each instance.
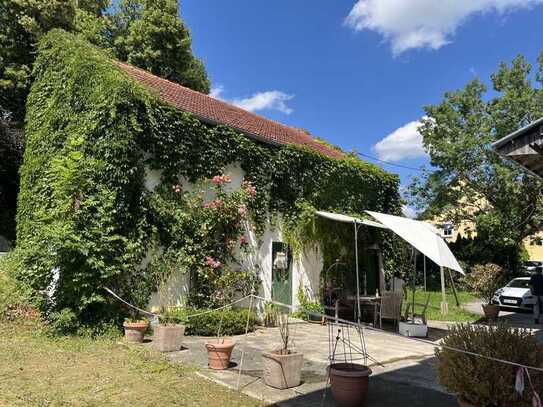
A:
(425, 273)
(444, 304)
(357, 273)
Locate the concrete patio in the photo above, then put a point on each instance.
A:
(405, 375)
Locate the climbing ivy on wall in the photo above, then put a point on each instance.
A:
(83, 206)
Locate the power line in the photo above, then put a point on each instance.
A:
(389, 163)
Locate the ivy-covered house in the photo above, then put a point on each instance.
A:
(141, 185)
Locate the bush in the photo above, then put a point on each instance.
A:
(231, 321)
(63, 322)
(484, 382)
(485, 279)
(16, 300)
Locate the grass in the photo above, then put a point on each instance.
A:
(456, 314)
(38, 370)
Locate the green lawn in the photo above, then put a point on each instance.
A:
(37, 370)
(433, 312)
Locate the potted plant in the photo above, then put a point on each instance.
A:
(219, 351)
(134, 329)
(480, 382)
(168, 333)
(309, 310)
(283, 367)
(485, 280)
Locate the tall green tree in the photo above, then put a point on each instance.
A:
(149, 34)
(470, 182)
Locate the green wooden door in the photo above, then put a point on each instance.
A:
(281, 279)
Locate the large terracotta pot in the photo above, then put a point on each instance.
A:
(168, 337)
(282, 371)
(134, 331)
(219, 353)
(349, 383)
(491, 311)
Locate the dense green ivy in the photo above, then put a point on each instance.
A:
(83, 206)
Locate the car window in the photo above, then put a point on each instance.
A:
(519, 284)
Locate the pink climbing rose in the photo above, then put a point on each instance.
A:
(221, 179)
(249, 188)
(242, 210)
(210, 261)
(216, 203)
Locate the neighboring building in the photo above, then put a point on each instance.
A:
(451, 232)
(525, 147)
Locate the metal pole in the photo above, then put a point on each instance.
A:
(357, 275)
(413, 283)
(453, 288)
(425, 273)
(444, 305)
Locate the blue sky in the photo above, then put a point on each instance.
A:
(355, 80)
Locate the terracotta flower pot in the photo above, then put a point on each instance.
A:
(282, 371)
(168, 337)
(219, 353)
(349, 383)
(491, 311)
(134, 331)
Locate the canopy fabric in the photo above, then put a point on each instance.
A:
(422, 237)
(349, 219)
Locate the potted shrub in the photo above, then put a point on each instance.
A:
(134, 329)
(283, 367)
(485, 280)
(309, 310)
(168, 333)
(482, 382)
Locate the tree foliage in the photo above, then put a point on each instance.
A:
(84, 209)
(11, 156)
(150, 35)
(146, 33)
(471, 184)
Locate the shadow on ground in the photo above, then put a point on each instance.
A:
(385, 390)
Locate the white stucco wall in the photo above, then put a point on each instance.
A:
(306, 269)
(306, 274)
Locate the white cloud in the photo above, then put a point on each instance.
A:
(403, 143)
(267, 100)
(409, 24)
(409, 212)
(216, 92)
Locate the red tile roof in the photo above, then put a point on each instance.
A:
(215, 111)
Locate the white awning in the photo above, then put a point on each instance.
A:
(422, 236)
(349, 219)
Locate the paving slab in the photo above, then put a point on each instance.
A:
(403, 371)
